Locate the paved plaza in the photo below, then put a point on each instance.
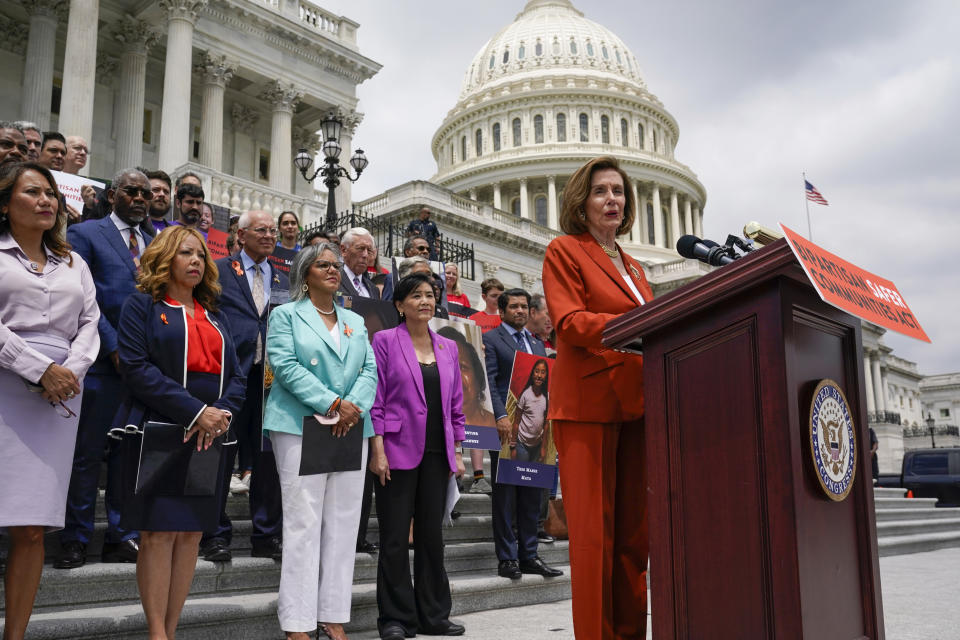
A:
(921, 601)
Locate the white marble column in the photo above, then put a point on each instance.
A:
(136, 38)
(552, 217)
(37, 87)
(644, 222)
(174, 149)
(878, 395)
(79, 70)
(497, 196)
(284, 98)
(215, 73)
(472, 194)
(687, 216)
(524, 205)
(698, 221)
(243, 119)
(868, 384)
(658, 238)
(351, 120)
(888, 403)
(636, 231)
(674, 219)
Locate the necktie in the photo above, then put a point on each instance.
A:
(356, 285)
(134, 246)
(258, 299)
(521, 343)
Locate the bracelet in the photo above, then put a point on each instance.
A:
(335, 406)
(458, 450)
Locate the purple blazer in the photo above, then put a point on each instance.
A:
(399, 413)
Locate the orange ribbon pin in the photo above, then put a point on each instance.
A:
(163, 318)
(347, 331)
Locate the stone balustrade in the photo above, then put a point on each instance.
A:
(316, 18)
(244, 195)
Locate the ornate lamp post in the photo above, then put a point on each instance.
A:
(331, 169)
(931, 424)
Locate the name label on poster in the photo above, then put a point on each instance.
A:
(481, 438)
(525, 474)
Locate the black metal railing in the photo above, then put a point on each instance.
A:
(390, 238)
(938, 430)
(883, 417)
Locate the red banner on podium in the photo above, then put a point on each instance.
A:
(856, 291)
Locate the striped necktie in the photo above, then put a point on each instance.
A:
(134, 246)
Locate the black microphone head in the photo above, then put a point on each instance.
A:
(686, 244)
(710, 243)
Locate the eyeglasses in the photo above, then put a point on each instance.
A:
(132, 192)
(263, 231)
(62, 410)
(323, 265)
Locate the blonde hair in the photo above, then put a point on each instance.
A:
(577, 190)
(155, 267)
(457, 291)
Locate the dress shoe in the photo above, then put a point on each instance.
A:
(544, 537)
(509, 569)
(269, 548)
(449, 629)
(539, 567)
(215, 550)
(368, 547)
(125, 551)
(73, 555)
(392, 631)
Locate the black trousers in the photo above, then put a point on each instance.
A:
(421, 494)
(513, 505)
(368, 482)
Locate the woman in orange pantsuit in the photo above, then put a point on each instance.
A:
(597, 404)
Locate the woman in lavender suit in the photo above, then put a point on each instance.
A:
(418, 426)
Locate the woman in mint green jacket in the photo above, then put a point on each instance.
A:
(322, 364)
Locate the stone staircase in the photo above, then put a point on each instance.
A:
(912, 525)
(238, 599)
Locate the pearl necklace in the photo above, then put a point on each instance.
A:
(326, 313)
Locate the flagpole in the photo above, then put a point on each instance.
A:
(806, 201)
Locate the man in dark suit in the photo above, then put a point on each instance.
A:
(250, 287)
(111, 247)
(359, 251)
(517, 553)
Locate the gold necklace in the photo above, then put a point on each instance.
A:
(607, 250)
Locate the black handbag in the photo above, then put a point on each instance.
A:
(169, 466)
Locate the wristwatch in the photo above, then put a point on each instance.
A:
(458, 449)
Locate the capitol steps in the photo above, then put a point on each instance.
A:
(238, 599)
(913, 525)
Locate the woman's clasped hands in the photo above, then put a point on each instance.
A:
(211, 424)
(350, 415)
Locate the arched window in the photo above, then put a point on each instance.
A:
(493, 60)
(584, 128)
(573, 47)
(603, 52)
(538, 49)
(624, 132)
(556, 46)
(605, 129)
(496, 136)
(479, 148)
(515, 207)
(651, 236)
(561, 127)
(516, 132)
(656, 144)
(506, 56)
(640, 133)
(538, 129)
(463, 148)
(617, 52)
(521, 52)
(589, 48)
(540, 210)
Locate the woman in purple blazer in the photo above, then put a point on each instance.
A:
(418, 425)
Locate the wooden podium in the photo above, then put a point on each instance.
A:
(744, 543)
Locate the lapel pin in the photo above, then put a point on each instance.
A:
(237, 268)
(163, 318)
(347, 331)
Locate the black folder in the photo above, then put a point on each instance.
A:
(322, 452)
(171, 467)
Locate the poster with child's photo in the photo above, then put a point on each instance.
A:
(529, 456)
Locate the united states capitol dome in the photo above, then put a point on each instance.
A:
(545, 94)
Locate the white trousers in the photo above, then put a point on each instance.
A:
(321, 515)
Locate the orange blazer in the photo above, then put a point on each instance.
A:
(584, 291)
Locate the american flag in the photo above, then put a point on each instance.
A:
(813, 195)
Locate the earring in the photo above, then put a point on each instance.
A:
(305, 288)
(583, 216)
(401, 315)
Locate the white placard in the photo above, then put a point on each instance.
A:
(70, 185)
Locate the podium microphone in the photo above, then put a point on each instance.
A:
(713, 254)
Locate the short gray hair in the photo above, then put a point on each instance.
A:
(348, 237)
(538, 302)
(125, 172)
(301, 264)
(4, 124)
(244, 221)
(24, 125)
(407, 264)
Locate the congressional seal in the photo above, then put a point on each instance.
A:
(833, 440)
